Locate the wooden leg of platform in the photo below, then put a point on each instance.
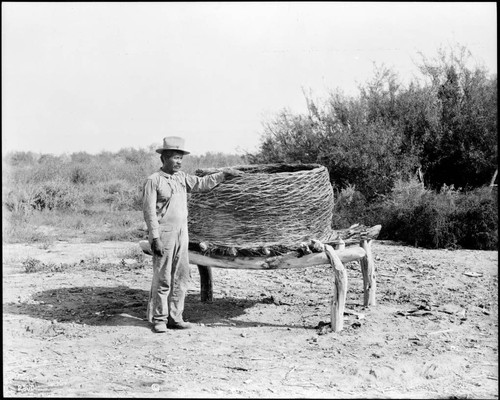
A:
(369, 277)
(339, 290)
(206, 285)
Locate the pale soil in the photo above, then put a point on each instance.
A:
(81, 332)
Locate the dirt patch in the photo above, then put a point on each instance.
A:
(81, 332)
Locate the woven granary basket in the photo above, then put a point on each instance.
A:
(272, 206)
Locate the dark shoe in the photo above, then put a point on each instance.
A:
(160, 327)
(179, 325)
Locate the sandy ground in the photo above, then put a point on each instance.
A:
(81, 332)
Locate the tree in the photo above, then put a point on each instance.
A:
(445, 127)
(462, 149)
(357, 139)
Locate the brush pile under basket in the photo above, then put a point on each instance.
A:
(270, 207)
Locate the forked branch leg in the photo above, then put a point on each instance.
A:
(339, 290)
(369, 276)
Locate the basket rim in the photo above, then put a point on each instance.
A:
(271, 168)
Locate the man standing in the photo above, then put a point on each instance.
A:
(165, 212)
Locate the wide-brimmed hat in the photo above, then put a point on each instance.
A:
(173, 143)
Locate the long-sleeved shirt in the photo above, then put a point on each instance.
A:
(159, 188)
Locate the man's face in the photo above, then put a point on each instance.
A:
(172, 161)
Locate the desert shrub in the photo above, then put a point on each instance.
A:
(18, 158)
(445, 219)
(81, 157)
(430, 224)
(17, 175)
(90, 195)
(121, 195)
(476, 220)
(417, 216)
(45, 172)
(18, 200)
(32, 265)
(137, 200)
(15, 227)
(90, 173)
(128, 235)
(56, 195)
(116, 186)
(50, 195)
(80, 175)
(350, 208)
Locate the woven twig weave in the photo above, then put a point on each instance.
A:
(272, 205)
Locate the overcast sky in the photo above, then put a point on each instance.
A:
(105, 76)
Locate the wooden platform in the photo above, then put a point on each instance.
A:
(335, 253)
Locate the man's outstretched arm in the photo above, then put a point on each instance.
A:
(203, 184)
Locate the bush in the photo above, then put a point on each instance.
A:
(18, 201)
(80, 175)
(42, 196)
(56, 195)
(444, 219)
(350, 208)
(15, 228)
(90, 173)
(19, 158)
(477, 220)
(121, 195)
(32, 265)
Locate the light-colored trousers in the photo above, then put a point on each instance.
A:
(171, 274)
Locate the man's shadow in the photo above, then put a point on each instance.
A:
(122, 305)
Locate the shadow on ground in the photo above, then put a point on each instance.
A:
(119, 305)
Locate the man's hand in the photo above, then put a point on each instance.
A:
(231, 173)
(157, 247)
